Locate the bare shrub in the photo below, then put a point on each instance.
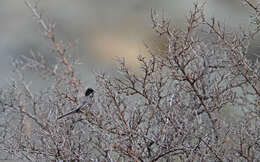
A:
(196, 101)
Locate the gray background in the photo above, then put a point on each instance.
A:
(103, 29)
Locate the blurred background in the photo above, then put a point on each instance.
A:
(102, 30)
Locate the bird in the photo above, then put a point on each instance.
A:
(84, 102)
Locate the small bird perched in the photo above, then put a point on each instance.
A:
(84, 102)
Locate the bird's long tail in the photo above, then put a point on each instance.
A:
(69, 113)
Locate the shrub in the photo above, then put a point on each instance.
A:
(196, 101)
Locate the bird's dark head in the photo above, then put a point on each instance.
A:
(89, 91)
